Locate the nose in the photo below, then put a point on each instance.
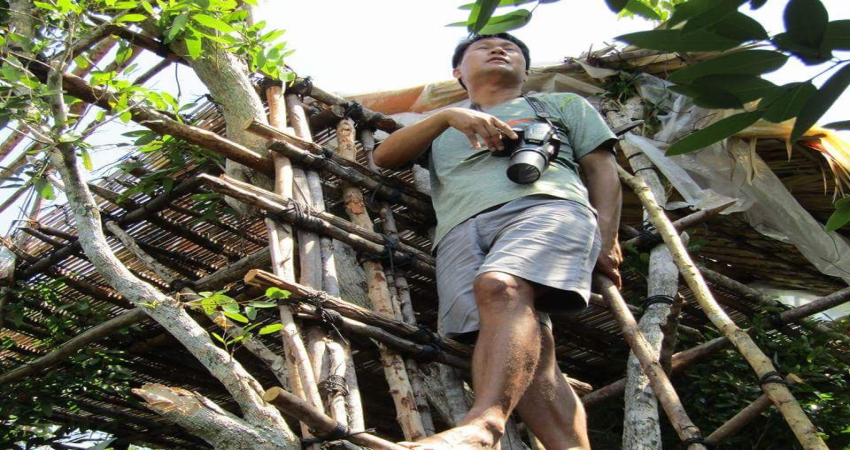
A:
(498, 50)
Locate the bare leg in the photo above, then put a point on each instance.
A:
(550, 408)
(504, 361)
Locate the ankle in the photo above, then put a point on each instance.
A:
(493, 423)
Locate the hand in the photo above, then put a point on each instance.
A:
(477, 124)
(609, 262)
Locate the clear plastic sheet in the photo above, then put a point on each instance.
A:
(733, 171)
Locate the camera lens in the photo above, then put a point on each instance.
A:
(527, 164)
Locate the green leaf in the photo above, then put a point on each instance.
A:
(218, 337)
(176, 27)
(251, 312)
(746, 62)
(708, 96)
(809, 55)
(841, 216)
(821, 101)
(721, 10)
(616, 5)
(481, 14)
(741, 27)
(756, 4)
(745, 87)
(81, 61)
(213, 22)
(786, 102)
(689, 9)
(675, 41)
(806, 21)
(507, 22)
(276, 293)
(269, 329)
(715, 132)
(131, 18)
(236, 316)
(193, 44)
(262, 304)
(86, 159)
(147, 7)
(843, 125)
(642, 9)
(44, 188)
(44, 5)
(837, 35)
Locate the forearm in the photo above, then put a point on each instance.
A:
(603, 186)
(409, 142)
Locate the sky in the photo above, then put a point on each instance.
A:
(352, 47)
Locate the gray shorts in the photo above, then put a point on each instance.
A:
(542, 239)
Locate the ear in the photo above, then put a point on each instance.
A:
(456, 72)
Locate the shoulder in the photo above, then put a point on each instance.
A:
(559, 100)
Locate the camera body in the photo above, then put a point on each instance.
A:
(537, 145)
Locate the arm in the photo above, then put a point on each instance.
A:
(603, 186)
(411, 141)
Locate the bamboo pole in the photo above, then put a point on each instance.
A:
(798, 421)
(337, 228)
(344, 404)
(661, 385)
(300, 369)
(303, 294)
(397, 376)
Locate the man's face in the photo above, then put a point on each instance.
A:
(492, 56)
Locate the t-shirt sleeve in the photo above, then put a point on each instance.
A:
(587, 129)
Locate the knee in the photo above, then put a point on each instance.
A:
(497, 288)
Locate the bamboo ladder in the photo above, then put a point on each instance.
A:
(770, 380)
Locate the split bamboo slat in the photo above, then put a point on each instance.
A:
(378, 292)
(800, 424)
(302, 379)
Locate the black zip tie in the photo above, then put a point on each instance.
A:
(303, 88)
(696, 440)
(333, 384)
(428, 352)
(644, 168)
(339, 432)
(328, 316)
(651, 300)
(300, 217)
(388, 254)
(423, 335)
(178, 284)
(772, 377)
(648, 236)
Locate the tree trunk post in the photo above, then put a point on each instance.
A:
(397, 376)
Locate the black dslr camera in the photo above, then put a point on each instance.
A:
(531, 153)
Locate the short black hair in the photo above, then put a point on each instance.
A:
(464, 44)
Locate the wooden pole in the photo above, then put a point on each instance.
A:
(299, 293)
(402, 297)
(330, 356)
(397, 376)
(780, 395)
(661, 385)
(300, 369)
(323, 425)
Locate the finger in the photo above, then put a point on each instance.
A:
(505, 128)
(492, 143)
(473, 139)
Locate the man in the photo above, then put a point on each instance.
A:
(505, 250)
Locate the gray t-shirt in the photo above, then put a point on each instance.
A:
(462, 187)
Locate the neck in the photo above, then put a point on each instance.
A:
(488, 96)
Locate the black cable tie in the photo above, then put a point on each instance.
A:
(303, 88)
(339, 432)
(696, 440)
(423, 335)
(178, 284)
(772, 377)
(653, 299)
(428, 352)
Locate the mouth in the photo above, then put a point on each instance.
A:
(498, 59)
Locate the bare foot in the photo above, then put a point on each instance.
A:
(473, 436)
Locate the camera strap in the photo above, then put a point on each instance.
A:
(542, 112)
